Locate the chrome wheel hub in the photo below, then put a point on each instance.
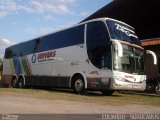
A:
(78, 85)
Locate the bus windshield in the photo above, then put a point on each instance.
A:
(132, 60)
(123, 32)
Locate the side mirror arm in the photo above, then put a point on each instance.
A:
(154, 56)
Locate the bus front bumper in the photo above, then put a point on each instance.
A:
(133, 86)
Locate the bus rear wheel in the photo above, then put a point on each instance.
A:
(107, 92)
(20, 82)
(78, 85)
(14, 82)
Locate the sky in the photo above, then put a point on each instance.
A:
(22, 20)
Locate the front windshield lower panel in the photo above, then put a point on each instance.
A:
(123, 32)
(131, 62)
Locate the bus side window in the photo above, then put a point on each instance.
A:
(8, 53)
(98, 45)
(37, 43)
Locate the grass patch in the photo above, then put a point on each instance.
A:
(92, 97)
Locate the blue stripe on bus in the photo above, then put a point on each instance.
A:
(17, 66)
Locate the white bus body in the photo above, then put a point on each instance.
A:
(69, 58)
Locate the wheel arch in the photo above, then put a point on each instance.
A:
(14, 76)
(21, 75)
(78, 74)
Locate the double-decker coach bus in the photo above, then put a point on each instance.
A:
(101, 54)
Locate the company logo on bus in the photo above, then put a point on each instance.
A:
(34, 58)
(125, 30)
(130, 77)
(44, 56)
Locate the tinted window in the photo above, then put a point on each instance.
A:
(98, 45)
(36, 44)
(61, 39)
(20, 49)
(13, 51)
(123, 32)
(69, 37)
(8, 53)
(26, 48)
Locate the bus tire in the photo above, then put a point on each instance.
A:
(20, 82)
(158, 89)
(14, 82)
(107, 92)
(78, 85)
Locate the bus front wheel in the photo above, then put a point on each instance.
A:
(107, 92)
(78, 85)
(158, 89)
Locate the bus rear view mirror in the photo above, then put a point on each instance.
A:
(119, 48)
(153, 55)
